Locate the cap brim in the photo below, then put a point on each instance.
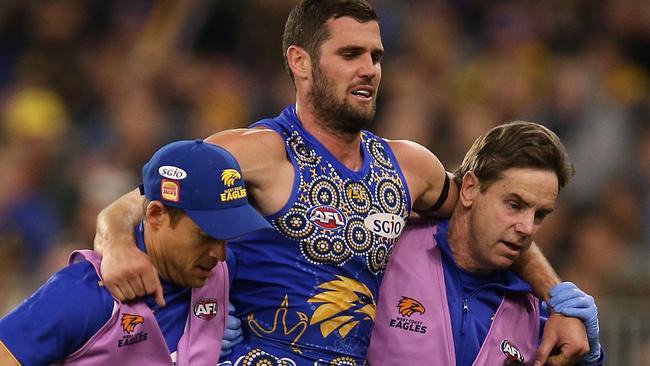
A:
(229, 223)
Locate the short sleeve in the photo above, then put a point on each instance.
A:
(58, 318)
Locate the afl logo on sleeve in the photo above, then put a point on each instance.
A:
(206, 309)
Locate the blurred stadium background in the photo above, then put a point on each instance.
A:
(89, 89)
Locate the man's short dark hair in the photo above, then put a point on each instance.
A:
(305, 26)
(516, 144)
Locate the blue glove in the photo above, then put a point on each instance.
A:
(233, 334)
(567, 299)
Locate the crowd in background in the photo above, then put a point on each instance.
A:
(90, 89)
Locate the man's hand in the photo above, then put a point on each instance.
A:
(563, 343)
(128, 273)
(567, 299)
(233, 334)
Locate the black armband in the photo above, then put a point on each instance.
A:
(443, 195)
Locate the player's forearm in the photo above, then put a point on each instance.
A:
(118, 220)
(533, 268)
(6, 358)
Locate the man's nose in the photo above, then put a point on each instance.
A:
(526, 224)
(218, 250)
(368, 67)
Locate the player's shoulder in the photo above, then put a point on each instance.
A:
(77, 281)
(59, 317)
(76, 290)
(245, 135)
(81, 274)
(242, 140)
(409, 152)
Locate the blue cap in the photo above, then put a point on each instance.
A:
(206, 182)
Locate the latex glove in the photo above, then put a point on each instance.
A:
(567, 299)
(233, 334)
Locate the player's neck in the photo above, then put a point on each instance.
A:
(345, 147)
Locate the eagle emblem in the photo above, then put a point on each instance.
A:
(129, 322)
(229, 176)
(344, 296)
(408, 305)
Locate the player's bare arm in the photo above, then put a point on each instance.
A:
(532, 263)
(263, 159)
(6, 358)
(425, 177)
(127, 272)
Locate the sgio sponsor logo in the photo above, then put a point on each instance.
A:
(172, 172)
(326, 217)
(384, 224)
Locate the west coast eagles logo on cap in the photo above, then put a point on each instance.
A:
(229, 177)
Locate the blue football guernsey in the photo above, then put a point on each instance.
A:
(306, 291)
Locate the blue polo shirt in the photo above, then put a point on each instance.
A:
(473, 300)
(62, 315)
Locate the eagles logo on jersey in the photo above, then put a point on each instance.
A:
(344, 295)
(408, 305)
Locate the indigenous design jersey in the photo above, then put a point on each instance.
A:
(308, 288)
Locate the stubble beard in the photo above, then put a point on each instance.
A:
(339, 117)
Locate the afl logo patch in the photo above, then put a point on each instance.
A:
(172, 172)
(326, 217)
(206, 309)
(512, 353)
